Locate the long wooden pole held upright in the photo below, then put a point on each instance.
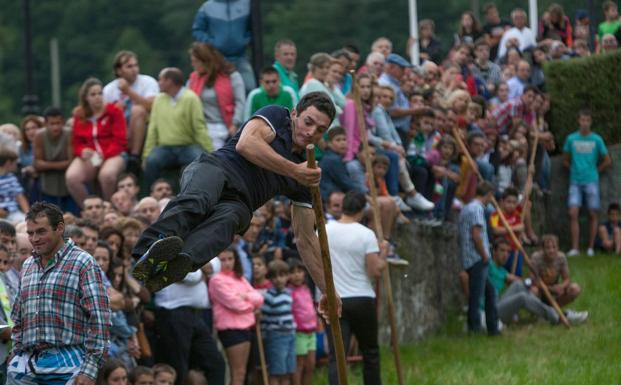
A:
(335, 326)
(528, 186)
(394, 338)
(264, 375)
(507, 226)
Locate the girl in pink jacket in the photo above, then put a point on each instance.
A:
(234, 302)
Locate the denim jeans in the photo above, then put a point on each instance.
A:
(479, 286)
(245, 70)
(392, 176)
(165, 157)
(443, 207)
(486, 170)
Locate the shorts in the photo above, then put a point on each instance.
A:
(579, 191)
(231, 337)
(305, 342)
(280, 352)
(51, 366)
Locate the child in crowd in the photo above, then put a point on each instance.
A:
(512, 212)
(164, 374)
(112, 372)
(259, 274)
(8, 240)
(141, 375)
(446, 173)
(5, 311)
(334, 171)
(611, 24)
(13, 203)
(609, 232)
(234, 302)
(279, 326)
(305, 319)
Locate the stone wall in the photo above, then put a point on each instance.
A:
(426, 291)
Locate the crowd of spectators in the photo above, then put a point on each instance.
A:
(488, 93)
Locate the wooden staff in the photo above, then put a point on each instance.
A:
(266, 380)
(511, 233)
(528, 186)
(335, 326)
(394, 338)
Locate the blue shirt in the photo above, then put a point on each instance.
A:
(401, 101)
(473, 214)
(585, 151)
(277, 311)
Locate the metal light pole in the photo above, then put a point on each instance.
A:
(30, 101)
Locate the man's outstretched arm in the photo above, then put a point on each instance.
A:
(303, 222)
(254, 145)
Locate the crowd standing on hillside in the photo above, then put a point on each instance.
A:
(73, 311)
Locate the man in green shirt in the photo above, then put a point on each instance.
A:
(285, 54)
(271, 92)
(177, 133)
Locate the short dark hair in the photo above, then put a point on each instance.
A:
(139, 371)
(174, 74)
(510, 192)
(484, 188)
(320, 100)
(53, 213)
(125, 175)
(334, 132)
(473, 135)
(105, 245)
(585, 112)
(488, 6)
(614, 207)
(158, 181)
(268, 71)
(353, 203)
(6, 228)
(295, 263)
(121, 58)
(277, 267)
(88, 224)
(52, 112)
(500, 241)
(531, 87)
(339, 53)
(351, 47)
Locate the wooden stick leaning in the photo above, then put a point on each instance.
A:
(333, 317)
(511, 233)
(528, 188)
(394, 338)
(264, 375)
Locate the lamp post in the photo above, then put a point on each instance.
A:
(30, 101)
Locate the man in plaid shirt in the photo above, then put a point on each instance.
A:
(61, 314)
(514, 110)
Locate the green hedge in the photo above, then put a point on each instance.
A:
(593, 82)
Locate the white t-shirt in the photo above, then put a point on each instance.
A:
(190, 292)
(144, 86)
(349, 245)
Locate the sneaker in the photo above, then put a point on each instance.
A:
(401, 204)
(590, 252)
(576, 317)
(419, 202)
(573, 253)
(162, 264)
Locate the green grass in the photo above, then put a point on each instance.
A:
(529, 353)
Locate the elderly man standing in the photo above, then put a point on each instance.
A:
(519, 36)
(61, 314)
(285, 54)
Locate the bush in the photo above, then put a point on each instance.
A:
(593, 82)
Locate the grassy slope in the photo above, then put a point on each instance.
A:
(529, 353)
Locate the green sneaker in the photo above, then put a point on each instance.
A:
(169, 272)
(157, 257)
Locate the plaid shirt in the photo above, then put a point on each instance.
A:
(63, 304)
(509, 110)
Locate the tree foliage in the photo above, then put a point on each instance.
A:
(91, 31)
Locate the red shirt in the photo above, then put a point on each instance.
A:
(108, 136)
(513, 219)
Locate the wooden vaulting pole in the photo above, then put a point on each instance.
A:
(264, 375)
(511, 233)
(394, 338)
(335, 326)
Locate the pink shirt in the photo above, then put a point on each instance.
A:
(230, 310)
(303, 309)
(349, 121)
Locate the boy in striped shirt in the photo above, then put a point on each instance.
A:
(278, 325)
